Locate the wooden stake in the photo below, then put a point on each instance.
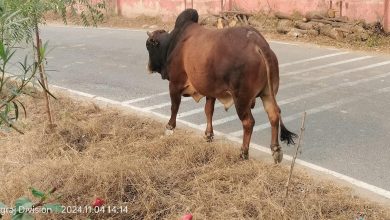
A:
(42, 74)
(295, 156)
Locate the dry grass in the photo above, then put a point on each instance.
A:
(126, 160)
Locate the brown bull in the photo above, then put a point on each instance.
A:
(234, 65)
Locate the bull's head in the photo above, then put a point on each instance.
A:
(157, 45)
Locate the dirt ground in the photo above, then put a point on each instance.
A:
(267, 26)
(126, 160)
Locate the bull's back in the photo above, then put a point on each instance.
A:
(214, 53)
(217, 61)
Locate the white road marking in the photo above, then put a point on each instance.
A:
(315, 110)
(196, 111)
(145, 98)
(303, 96)
(76, 92)
(314, 79)
(78, 45)
(58, 87)
(281, 42)
(324, 66)
(348, 179)
(110, 101)
(162, 105)
(312, 59)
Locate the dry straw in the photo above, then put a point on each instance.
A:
(126, 160)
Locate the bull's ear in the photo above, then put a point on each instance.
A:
(149, 33)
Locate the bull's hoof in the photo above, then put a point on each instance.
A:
(278, 156)
(244, 156)
(209, 137)
(169, 129)
(168, 132)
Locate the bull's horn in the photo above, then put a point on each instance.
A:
(149, 33)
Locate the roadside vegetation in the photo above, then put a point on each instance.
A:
(22, 70)
(20, 34)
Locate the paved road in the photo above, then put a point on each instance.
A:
(346, 95)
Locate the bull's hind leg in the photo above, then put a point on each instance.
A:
(273, 112)
(175, 95)
(209, 110)
(243, 108)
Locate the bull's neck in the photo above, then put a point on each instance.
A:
(165, 45)
(169, 43)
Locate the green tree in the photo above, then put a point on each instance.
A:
(20, 21)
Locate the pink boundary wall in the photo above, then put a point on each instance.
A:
(369, 10)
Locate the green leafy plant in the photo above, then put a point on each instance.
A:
(24, 205)
(13, 84)
(20, 21)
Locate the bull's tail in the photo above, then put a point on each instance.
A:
(286, 136)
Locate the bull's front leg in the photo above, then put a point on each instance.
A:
(209, 110)
(175, 94)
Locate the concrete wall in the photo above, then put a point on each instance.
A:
(165, 8)
(369, 10)
(387, 15)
